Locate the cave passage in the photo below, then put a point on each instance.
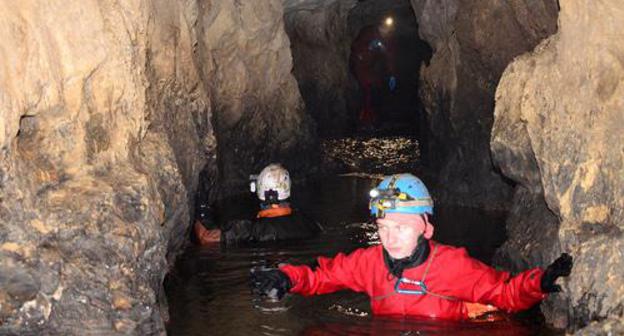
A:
(386, 130)
(208, 290)
(385, 59)
(123, 122)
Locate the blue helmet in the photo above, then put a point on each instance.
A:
(402, 193)
(375, 44)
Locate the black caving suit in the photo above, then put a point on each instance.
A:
(267, 226)
(295, 225)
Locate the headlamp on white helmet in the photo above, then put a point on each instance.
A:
(272, 184)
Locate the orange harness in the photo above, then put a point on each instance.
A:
(274, 211)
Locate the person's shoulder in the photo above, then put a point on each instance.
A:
(297, 213)
(448, 251)
(302, 217)
(368, 251)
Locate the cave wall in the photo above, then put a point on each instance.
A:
(320, 44)
(259, 113)
(558, 134)
(472, 42)
(108, 112)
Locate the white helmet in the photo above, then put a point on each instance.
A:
(273, 177)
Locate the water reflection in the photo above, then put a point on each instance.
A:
(208, 291)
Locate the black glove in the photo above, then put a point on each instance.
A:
(269, 282)
(560, 267)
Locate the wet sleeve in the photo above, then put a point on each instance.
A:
(283, 228)
(478, 282)
(237, 231)
(332, 274)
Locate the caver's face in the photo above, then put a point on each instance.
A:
(399, 238)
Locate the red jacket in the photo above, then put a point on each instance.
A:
(371, 67)
(453, 279)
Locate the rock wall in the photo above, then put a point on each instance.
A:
(473, 42)
(106, 120)
(320, 46)
(558, 134)
(259, 114)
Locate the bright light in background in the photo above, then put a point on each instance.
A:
(389, 21)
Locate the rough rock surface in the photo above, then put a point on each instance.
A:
(533, 228)
(259, 113)
(558, 133)
(608, 327)
(320, 46)
(472, 42)
(106, 112)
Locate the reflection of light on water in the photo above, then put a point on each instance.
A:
(270, 330)
(373, 238)
(271, 305)
(348, 310)
(369, 237)
(387, 155)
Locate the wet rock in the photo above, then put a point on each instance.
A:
(533, 244)
(320, 44)
(473, 42)
(609, 327)
(21, 285)
(259, 114)
(534, 231)
(106, 120)
(557, 132)
(17, 285)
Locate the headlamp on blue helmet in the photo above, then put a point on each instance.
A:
(402, 193)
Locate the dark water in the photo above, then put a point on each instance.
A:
(208, 291)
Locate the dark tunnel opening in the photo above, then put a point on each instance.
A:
(384, 62)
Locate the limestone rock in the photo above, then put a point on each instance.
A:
(258, 111)
(558, 131)
(608, 327)
(473, 42)
(320, 44)
(106, 120)
(535, 243)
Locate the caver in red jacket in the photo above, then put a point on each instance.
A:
(453, 280)
(372, 62)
